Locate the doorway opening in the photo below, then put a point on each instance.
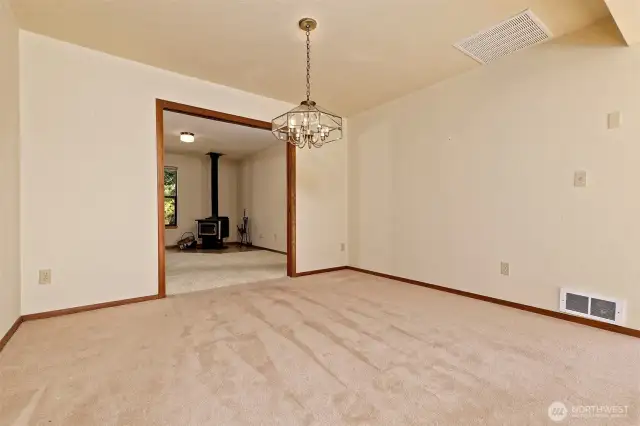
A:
(206, 233)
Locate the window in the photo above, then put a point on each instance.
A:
(170, 196)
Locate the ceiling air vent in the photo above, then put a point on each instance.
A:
(591, 306)
(516, 33)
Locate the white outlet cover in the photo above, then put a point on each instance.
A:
(504, 268)
(580, 179)
(44, 276)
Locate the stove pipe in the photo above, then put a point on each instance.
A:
(214, 183)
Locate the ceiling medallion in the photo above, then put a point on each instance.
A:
(307, 124)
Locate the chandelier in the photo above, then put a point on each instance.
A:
(307, 124)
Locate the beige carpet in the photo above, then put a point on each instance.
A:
(334, 349)
(189, 271)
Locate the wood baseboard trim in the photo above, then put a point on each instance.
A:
(9, 334)
(559, 315)
(69, 311)
(320, 271)
(268, 249)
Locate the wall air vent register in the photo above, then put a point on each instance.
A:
(592, 306)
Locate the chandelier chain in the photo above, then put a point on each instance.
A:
(307, 125)
(308, 63)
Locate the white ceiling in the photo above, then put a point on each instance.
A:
(232, 140)
(364, 52)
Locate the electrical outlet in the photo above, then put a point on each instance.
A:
(504, 268)
(275, 237)
(261, 236)
(342, 246)
(44, 276)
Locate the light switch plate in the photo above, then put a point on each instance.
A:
(580, 179)
(614, 120)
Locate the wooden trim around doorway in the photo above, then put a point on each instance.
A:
(163, 105)
(162, 286)
(291, 210)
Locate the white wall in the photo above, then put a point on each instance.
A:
(321, 203)
(89, 169)
(449, 181)
(321, 206)
(194, 196)
(263, 192)
(9, 171)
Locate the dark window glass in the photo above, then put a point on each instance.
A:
(170, 196)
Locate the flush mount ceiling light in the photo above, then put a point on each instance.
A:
(307, 124)
(187, 137)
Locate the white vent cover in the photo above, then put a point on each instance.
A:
(592, 306)
(509, 36)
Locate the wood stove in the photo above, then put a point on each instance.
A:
(213, 231)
